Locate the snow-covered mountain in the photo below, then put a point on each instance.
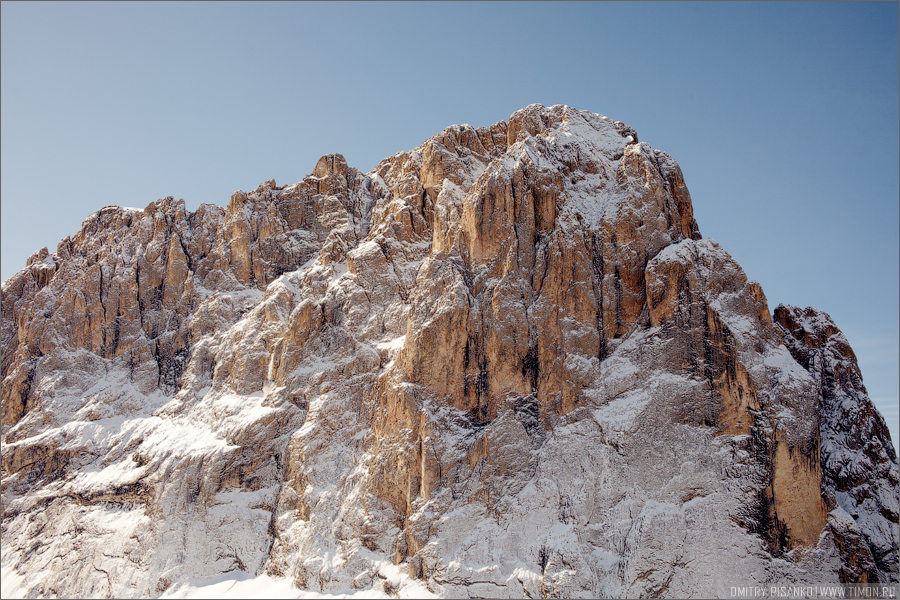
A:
(502, 364)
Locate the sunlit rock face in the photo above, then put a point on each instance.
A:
(504, 364)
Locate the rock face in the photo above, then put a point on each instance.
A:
(504, 362)
(859, 473)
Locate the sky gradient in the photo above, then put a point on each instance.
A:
(783, 117)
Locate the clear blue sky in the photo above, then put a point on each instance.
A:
(783, 116)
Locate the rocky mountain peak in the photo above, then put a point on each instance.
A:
(503, 363)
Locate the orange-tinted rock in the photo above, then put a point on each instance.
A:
(504, 360)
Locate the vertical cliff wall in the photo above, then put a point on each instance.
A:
(503, 363)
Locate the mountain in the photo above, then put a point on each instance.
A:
(504, 364)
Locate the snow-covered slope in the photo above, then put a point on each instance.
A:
(504, 363)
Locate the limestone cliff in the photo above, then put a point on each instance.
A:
(505, 362)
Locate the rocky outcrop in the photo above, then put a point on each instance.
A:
(504, 362)
(859, 462)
